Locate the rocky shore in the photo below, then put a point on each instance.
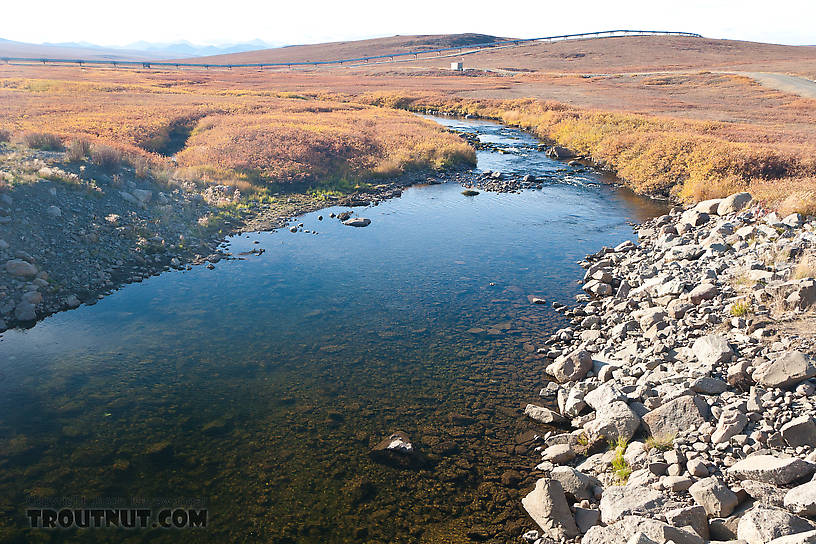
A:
(678, 406)
(72, 233)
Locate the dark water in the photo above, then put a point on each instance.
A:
(260, 386)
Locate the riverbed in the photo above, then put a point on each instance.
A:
(259, 387)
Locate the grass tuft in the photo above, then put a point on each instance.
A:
(78, 150)
(661, 442)
(620, 467)
(42, 141)
(806, 267)
(741, 308)
(107, 158)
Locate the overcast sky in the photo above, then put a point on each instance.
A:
(114, 22)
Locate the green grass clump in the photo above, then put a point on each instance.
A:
(741, 308)
(620, 467)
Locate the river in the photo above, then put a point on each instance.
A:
(259, 387)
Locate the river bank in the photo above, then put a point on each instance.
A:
(72, 233)
(681, 393)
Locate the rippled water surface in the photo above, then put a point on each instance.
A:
(261, 386)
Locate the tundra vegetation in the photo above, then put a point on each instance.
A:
(250, 140)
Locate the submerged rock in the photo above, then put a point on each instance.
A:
(396, 450)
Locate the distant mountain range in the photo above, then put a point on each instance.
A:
(141, 50)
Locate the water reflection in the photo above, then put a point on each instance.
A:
(262, 384)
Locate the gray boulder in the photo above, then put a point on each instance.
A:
(707, 385)
(763, 493)
(801, 499)
(704, 291)
(731, 423)
(772, 470)
(801, 293)
(25, 311)
(761, 524)
(657, 531)
(619, 501)
(713, 495)
(548, 507)
(21, 268)
(683, 413)
(571, 367)
(577, 485)
(808, 537)
(357, 222)
(785, 371)
(603, 395)
(543, 415)
(711, 349)
(800, 431)
(612, 422)
(733, 203)
(690, 517)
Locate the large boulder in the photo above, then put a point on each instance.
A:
(543, 415)
(713, 495)
(21, 268)
(763, 493)
(602, 395)
(800, 431)
(142, 195)
(785, 371)
(548, 507)
(25, 311)
(619, 501)
(577, 485)
(801, 293)
(711, 349)
(682, 413)
(571, 367)
(772, 470)
(704, 291)
(690, 517)
(733, 203)
(657, 531)
(801, 499)
(731, 423)
(761, 524)
(808, 537)
(614, 421)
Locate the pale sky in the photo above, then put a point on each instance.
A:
(116, 22)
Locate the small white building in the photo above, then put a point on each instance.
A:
(457, 66)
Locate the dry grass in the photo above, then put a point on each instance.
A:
(689, 160)
(243, 138)
(107, 158)
(43, 140)
(78, 150)
(806, 267)
(324, 142)
(694, 135)
(664, 442)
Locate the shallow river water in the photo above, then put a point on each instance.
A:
(258, 388)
